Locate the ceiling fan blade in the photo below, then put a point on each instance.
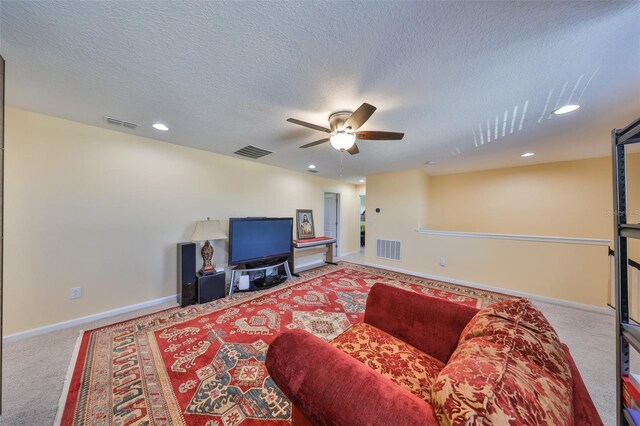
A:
(309, 145)
(379, 136)
(353, 150)
(309, 125)
(359, 117)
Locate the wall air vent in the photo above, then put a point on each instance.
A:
(388, 249)
(120, 123)
(252, 152)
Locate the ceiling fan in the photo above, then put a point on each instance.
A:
(343, 126)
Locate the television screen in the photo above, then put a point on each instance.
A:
(254, 240)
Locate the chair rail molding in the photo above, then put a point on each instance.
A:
(519, 237)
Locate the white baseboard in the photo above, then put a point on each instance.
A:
(308, 265)
(82, 320)
(347, 254)
(605, 310)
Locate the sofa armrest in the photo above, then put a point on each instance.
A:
(430, 324)
(584, 411)
(330, 387)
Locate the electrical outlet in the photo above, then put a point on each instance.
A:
(75, 293)
(443, 262)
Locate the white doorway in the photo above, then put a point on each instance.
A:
(332, 219)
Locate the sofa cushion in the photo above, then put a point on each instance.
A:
(509, 368)
(535, 339)
(394, 359)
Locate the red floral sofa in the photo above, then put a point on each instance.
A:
(421, 360)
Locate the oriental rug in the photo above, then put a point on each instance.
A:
(204, 364)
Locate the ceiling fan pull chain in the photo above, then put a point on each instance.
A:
(341, 157)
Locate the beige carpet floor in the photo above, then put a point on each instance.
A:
(35, 368)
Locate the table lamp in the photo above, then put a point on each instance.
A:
(208, 230)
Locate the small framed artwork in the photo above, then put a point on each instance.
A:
(305, 224)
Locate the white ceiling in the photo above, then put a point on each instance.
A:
(223, 75)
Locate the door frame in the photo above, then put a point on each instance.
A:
(361, 204)
(338, 245)
(2, 185)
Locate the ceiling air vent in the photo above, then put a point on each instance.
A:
(120, 123)
(252, 152)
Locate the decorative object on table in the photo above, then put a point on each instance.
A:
(219, 341)
(208, 230)
(305, 224)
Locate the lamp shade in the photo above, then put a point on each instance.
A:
(208, 230)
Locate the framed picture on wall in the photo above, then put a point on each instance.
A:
(305, 224)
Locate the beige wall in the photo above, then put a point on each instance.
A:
(570, 198)
(401, 198)
(559, 199)
(104, 210)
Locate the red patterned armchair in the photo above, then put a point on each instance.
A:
(418, 360)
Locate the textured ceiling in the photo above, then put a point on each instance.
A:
(470, 83)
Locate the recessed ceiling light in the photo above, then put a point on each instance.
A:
(528, 154)
(311, 166)
(361, 181)
(160, 126)
(565, 109)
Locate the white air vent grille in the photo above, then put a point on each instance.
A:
(120, 123)
(252, 152)
(388, 249)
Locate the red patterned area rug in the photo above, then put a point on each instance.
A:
(204, 365)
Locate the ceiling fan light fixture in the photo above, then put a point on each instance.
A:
(343, 141)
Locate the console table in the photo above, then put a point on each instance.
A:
(303, 248)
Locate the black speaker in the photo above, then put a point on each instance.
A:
(187, 288)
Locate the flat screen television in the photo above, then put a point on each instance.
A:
(259, 240)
